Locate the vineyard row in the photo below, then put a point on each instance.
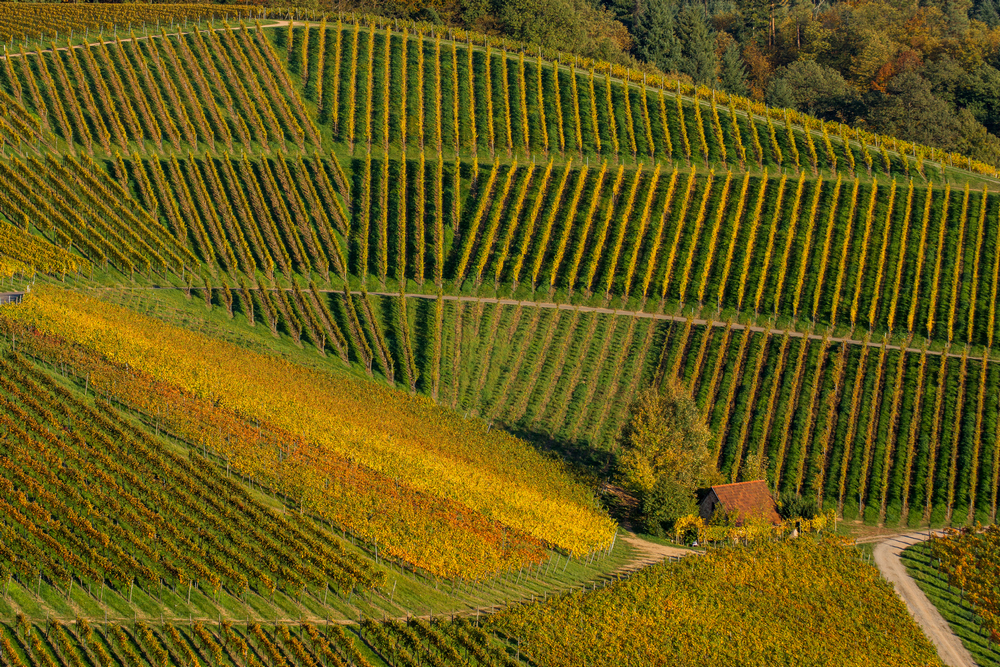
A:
(912, 432)
(634, 134)
(208, 531)
(396, 89)
(885, 256)
(141, 644)
(215, 89)
(911, 436)
(23, 21)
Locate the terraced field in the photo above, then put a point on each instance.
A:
(461, 250)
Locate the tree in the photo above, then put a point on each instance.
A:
(655, 37)
(910, 110)
(555, 23)
(697, 45)
(665, 455)
(987, 11)
(974, 140)
(759, 68)
(956, 14)
(755, 19)
(754, 467)
(979, 92)
(732, 71)
(945, 76)
(780, 94)
(565, 25)
(664, 504)
(624, 11)
(808, 86)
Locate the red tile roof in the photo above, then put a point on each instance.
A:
(747, 499)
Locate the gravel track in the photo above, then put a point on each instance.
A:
(949, 646)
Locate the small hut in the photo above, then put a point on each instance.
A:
(740, 500)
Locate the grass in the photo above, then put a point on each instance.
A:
(957, 611)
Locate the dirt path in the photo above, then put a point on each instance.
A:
(646, 554)
(949, 646)
(663, 317)
(642, 314)
(649, 553)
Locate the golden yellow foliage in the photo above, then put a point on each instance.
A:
(405, 438)
(798, 602)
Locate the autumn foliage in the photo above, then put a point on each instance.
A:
(469, 501)
(795, 602)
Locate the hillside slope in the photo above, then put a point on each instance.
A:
(338, 188)
(436, 491)
(753, 605)
(446, 240)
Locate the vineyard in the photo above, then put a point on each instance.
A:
(311, 178)
(105, 505)
(939, 567)
(21, 22)
(400, 88)
(182, 536)
(909, 431)
(559, 631)
(815, 253)
(432, 264)
(894, 261)
(393, 88)
(967, 559)
(141, 644)
(338, 442)
(785, 603)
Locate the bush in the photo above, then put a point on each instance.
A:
(565, 25)
(667, 502)
(794, 506)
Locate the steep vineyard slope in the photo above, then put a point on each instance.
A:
(756, 605)
(290, 173)
(434, 490)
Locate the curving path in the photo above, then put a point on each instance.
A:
(649, 553)
(661, 316)
(642, 314)
(949, 646)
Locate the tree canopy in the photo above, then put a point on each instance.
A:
(871, 63)
(665, 454)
